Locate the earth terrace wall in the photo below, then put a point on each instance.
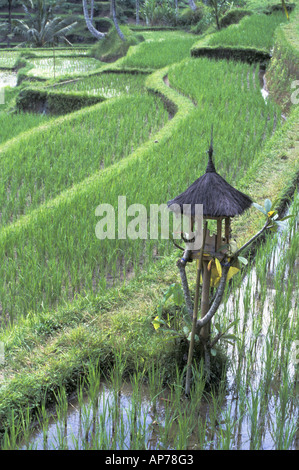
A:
(244, 54)
(54, 102)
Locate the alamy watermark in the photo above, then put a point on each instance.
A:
(136, 222)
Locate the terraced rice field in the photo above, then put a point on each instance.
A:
(108, 85)
(8, 59)
(62, 289)
(159, 52)
(253, 31)
(83, 146)
(50, 67)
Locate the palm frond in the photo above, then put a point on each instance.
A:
(41, 26)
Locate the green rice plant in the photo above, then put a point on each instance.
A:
(8, 59)
(155, 54)
(285, 425)
(84, 144)
(14, 124)
(202, 434)
(61, 418)
(266, 408)
(155, 384)
(12, 433)
(58, 51)
(253, 410)
(43, 420)
(26, 426)
(50, 67)
(106, 84)
(137, 415)
(62, 256)
(185, 427)
(93, 382)
(227, 430)
(7, 79)
(252, 31)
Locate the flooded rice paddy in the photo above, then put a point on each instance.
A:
(255, 406)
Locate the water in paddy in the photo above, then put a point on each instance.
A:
(7, 79)
(258, 407)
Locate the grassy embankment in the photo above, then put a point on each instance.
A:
(91, 327)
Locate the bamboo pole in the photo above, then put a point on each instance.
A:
(195, 310)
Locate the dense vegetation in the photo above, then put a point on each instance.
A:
(69, 300)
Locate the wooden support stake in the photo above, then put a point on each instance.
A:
(205, 300)
(227, 229)
(195, 310)
(219, 234)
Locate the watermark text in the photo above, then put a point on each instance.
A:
(137, 222)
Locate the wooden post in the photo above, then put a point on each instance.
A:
(219, 234)
(227, 229)
(195, 310)
(205, 300)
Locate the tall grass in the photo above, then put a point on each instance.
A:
(38, 166)
(228, 94)
(107, 84)
(17, 123)
(155, 54)
(252, 31)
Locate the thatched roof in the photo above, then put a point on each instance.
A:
(219, 198)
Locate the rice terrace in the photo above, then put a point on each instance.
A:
(149, 226)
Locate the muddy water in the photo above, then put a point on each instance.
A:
(84, 425)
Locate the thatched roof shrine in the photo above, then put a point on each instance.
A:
(219, 198)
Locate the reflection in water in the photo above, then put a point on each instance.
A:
(116, 420)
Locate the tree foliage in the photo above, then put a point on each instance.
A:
(40, 26)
